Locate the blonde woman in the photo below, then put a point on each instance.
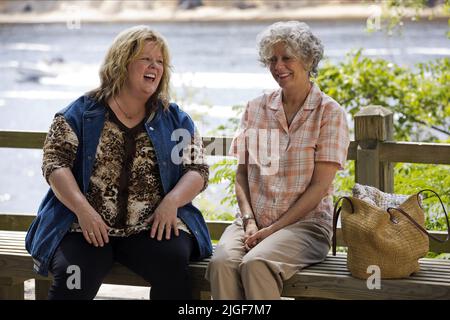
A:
(284, 200)
(118, 191)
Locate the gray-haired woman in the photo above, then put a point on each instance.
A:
(285, 201)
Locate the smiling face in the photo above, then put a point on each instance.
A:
(146, 71)
(287, 70)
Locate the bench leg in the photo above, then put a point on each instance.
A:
(41, 288)
(11, 289)
(198, 294)
(205, 295)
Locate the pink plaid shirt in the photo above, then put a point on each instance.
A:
(281, 158)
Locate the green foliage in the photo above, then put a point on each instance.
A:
(225, 170)
(396, 11)
(411, 178)
(344, 181)
(418, 97)
(210, 210)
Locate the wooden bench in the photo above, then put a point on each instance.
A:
(327, 280)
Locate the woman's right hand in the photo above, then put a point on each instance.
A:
(66, 189)
(95, 230)
(250, 229)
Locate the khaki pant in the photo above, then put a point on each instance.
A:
(259, 273)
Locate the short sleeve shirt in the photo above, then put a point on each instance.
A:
(281, 158)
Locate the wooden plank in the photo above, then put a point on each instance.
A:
(373, 124)
(329, 268)
(12, 233)
(11, 243)
(41, 288)
(12, 292)
(434, 268)
(16, 243)
(8, 281)
(351, 153)
(216, 228)
(344, 287)
(22, 139)
(21, 267)
(325, 271)
(214, 146)
(415, 152)
(5, 251)
(217, 146)
(15, 221)
(435, 263)
(368, 167)
(431, 276)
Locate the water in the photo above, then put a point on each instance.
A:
(215, 67)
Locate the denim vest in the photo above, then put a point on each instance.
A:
(86, 118)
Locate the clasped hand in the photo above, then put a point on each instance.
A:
(253, 236)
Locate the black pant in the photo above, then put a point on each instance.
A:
(164, 264)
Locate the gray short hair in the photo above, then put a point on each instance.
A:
(299, 40)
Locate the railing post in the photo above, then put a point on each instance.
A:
(373, 125)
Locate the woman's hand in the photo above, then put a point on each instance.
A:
(66, 189)
(257, 237)
(250, 229)
(95, 230)
(164, 219)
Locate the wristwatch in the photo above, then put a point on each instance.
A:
(246, 217)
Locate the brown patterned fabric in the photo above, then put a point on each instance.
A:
(125, 187)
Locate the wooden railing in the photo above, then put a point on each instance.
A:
(374, 151)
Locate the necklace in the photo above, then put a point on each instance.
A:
(126, 114)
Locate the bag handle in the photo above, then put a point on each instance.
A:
(418, 226)
(336, 213)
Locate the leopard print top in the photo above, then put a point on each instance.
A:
(125, 187)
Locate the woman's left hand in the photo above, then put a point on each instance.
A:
(164, 219)
(258, 236)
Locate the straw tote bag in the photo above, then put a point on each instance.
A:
(393, 239)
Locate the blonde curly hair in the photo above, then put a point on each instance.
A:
(125, 48)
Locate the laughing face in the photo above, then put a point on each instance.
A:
(145, 73)
(288, 70)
